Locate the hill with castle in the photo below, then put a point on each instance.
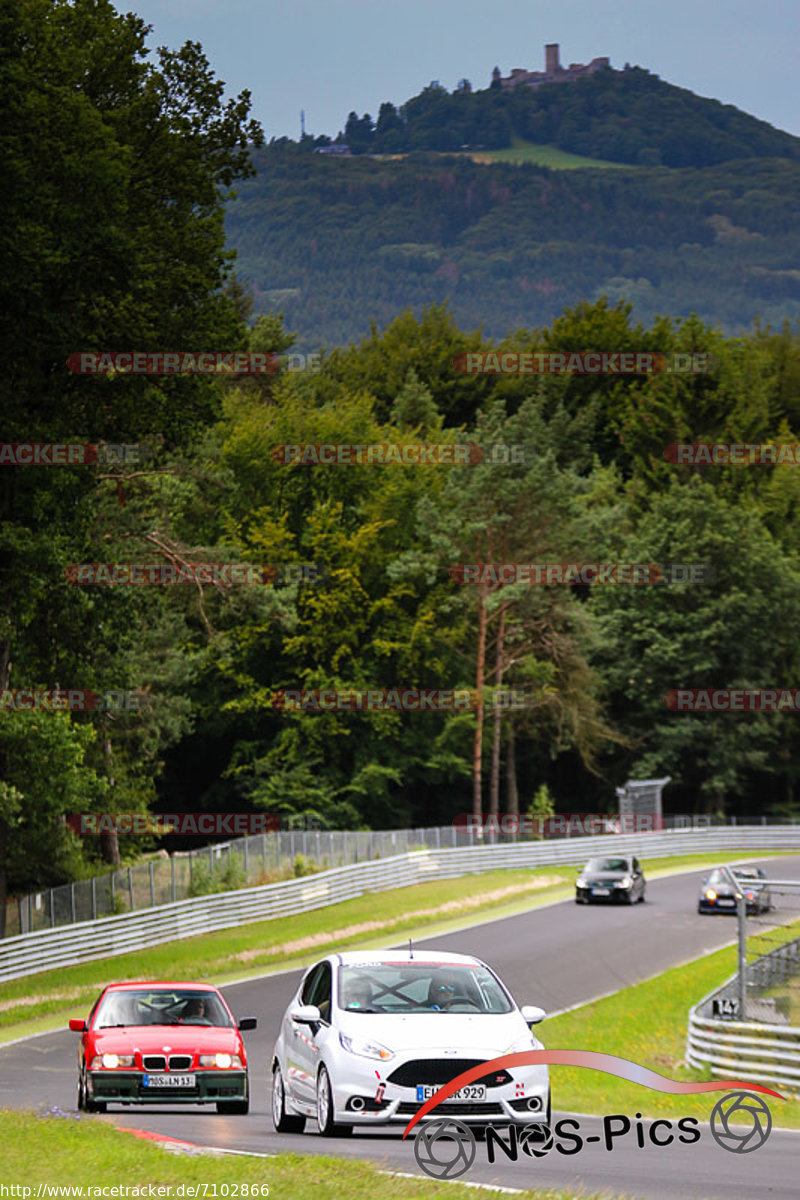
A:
(628, 116)
(698, 215)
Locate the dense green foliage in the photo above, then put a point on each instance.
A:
(115, 170)
(114, 239)
(338, 243)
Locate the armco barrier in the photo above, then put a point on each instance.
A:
(30, 953)
(743, 1049)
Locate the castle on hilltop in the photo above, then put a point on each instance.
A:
(553, 71)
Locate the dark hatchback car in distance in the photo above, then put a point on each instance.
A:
(717, 894)
(616, 878)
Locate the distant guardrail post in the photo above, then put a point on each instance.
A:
(172, 879)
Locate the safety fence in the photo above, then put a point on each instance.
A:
(33, 952)
(260, 859)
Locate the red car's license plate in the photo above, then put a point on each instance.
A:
(169, 1081)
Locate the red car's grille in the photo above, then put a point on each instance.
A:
(154, 1062)
(180, 1062)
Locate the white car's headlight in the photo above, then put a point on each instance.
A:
(220, 1060)
(625, 882)
(110, 1062)
(581, 882)
(366, 1048)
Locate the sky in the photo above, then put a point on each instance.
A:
(329, 57)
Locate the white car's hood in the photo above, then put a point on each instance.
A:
(470, 1035)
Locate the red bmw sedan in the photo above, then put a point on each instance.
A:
(162, 1043)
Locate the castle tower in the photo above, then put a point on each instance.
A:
(551, 63)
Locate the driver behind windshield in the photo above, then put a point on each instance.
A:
(195, 1012)
(440, 993)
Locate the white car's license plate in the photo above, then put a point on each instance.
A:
(473, 1091)
(169, 1081)
(601, 891)
(726, 903)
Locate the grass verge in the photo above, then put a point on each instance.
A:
(646, 1024)
(36, 1003)
(542, 155)
(84, 1152)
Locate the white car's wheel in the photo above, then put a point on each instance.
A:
(325, 1108)
(283, 1122)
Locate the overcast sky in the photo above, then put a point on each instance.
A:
(331, 56)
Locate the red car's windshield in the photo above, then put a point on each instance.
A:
(151, 1006)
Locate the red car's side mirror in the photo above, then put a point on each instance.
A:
(77, 1024)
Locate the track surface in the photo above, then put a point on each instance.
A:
(555, 957)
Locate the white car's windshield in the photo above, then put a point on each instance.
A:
(410, 987)
(150, 1007)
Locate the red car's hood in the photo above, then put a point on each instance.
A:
(169, 1039)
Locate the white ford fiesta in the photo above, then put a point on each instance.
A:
(371, 1035)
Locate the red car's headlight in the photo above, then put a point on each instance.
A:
(109, 1062)
(220, 1060)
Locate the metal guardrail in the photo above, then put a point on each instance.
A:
(258, 859)
(167, 878)
(31, 953)
(764, 1053)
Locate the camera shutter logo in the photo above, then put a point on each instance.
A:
(444, 1148)
(536, 1141)
(741, 1108)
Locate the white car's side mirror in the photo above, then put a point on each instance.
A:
(532, 1014)
(306, 1014)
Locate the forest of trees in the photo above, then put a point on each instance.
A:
(338, 243)
(128, 180)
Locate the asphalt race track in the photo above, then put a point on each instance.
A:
(555, 957)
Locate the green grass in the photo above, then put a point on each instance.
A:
(36, 1003)
(645, 1024)
(521, 151)
(87, 1152)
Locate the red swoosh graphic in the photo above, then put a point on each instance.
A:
(623, 1068)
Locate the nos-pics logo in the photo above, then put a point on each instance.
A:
(446, 1149)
